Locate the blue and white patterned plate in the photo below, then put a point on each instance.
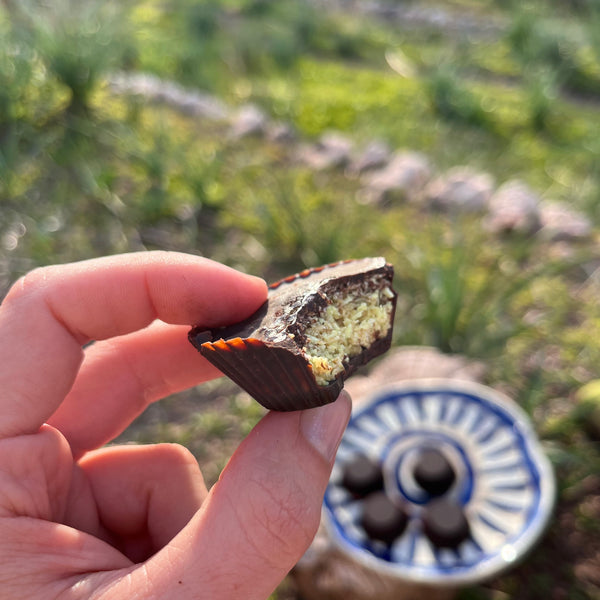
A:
(504, 482)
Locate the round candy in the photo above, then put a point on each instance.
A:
(362, 475)
(445, 523)
(381, 519)
(433, 472)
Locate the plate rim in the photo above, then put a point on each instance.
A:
(494, 565)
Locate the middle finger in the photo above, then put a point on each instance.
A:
(145, 495)
(120, 377)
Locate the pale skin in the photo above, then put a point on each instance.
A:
(79, 520)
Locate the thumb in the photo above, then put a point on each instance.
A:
(261, 516)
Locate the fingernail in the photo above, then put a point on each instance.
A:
(324, 426)
(257, 281)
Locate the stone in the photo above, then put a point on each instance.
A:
(332, 151)
(152, 88)
(402, 179)
(325, 573)
(414, 362)
(418, 362)
(249, 121)
(281, 132)
(142, 84)
(375, 155)
(514, 208)
(461, 189)
(197, 104)
(559, 222)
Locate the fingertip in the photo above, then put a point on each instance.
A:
(258, 283)
(346, 399)
(221, 295)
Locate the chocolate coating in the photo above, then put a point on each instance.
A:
(445, 523)
(362, 475)
(381, 519)
(433, 472)
(263, 354)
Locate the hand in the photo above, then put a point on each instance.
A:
(78, 521)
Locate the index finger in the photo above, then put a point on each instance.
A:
(49, 315)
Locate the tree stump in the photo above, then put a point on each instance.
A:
(325, 573)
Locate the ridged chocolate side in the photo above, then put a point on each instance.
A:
(275, 377)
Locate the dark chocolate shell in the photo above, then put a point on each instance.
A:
(264, 354)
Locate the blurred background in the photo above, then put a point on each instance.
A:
(459, 139)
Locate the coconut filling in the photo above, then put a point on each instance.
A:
(344, 329)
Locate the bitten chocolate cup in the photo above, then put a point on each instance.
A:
(315, 329)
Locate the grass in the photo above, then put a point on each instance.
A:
(487, 123)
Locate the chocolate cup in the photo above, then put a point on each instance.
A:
(362, 476)
(276, 378)
(381, 519)
(263, 354)
(445, 523)
(434, 473)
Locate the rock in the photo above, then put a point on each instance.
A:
(403, 179)
(250, 121)
(324, 573)
(196, 104)
(332, 151)
(280, 132)
(559, 222)
(375, 155)
(142, 84)
(418, 362)
(414, 362)
(418, 16)
(461, 189)
(513, 208)
(154, 89)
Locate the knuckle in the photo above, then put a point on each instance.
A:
(176, 455)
